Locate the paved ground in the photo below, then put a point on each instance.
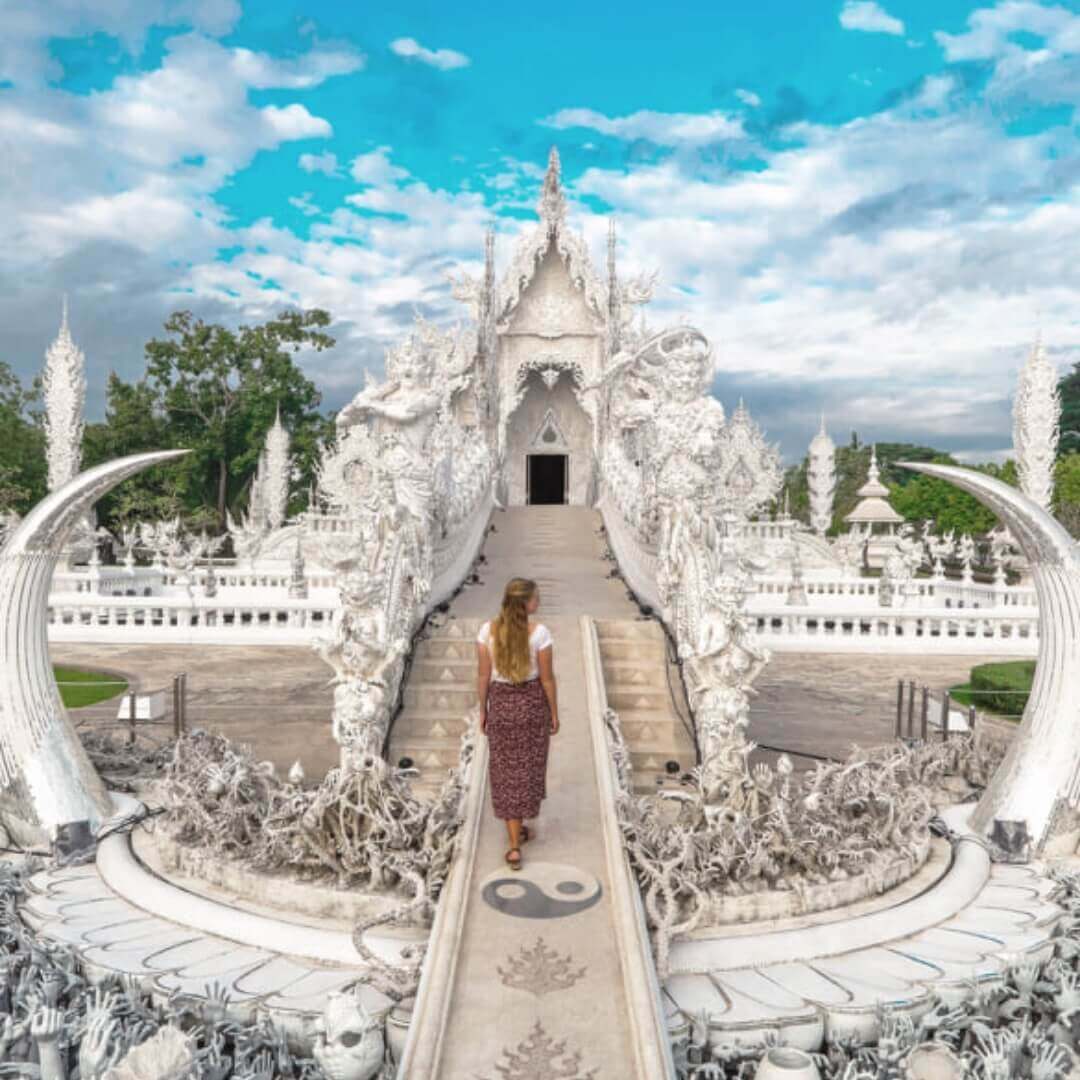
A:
(822, 704)
(278, 699)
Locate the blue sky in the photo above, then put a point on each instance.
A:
(870, 208)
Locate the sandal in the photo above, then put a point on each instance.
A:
(514, 864)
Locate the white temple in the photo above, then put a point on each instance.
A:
(721, 910)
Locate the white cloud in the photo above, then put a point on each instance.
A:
(304, 204)
(748, 97)
(375, 167)
(443, 59)
(869, 16)
(295, 122)
(1047, 73)
(261, 71)
(987, 35)
(28, 27)
(664, 129)
(325, 163)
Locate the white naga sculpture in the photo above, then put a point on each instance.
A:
(821, 479)
(720, 675)
(1033, 799)
(699, 479)
(402, 475)
(1036, 413)
(46, 779)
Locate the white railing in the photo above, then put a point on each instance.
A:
(180, 620)
(808, 629)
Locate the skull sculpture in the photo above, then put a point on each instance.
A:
(348, 1039)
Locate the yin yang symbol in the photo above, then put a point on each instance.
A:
(541, 890)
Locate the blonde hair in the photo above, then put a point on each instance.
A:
(510, 631)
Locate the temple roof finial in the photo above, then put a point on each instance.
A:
(552, 205)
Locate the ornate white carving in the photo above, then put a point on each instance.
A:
(965, 553)
(1036, 412)
(533, 246)
(550, 375)
(821, 479)
(277, 474)
(402, 475)
(691, 483)
(549, 436)
(63, 386)
(751, 470)
(349, 1043)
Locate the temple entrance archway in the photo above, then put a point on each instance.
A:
(549, 446)
(546, 480)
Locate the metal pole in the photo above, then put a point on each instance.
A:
(971, 719)
(899, 707)
(911, 709)
(176, 722)
(944, 715)
(925, 713)
(183, 702)
(131, 717)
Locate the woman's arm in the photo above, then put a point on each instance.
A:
(545, 662)
(483, 681)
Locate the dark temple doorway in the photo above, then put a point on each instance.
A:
(546, 479)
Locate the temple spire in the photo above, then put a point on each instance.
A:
(63, 384)
(614, 296)
(552, 205)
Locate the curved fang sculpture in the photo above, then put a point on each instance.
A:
(46, 779)
(1038, 783)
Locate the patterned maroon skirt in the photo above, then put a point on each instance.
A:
(519, 731)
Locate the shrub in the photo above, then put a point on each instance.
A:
(1002, 688)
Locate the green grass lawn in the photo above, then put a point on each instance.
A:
(1002, 688)
(79, 688)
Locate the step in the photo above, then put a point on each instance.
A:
(427, 753)
(651, 763)
(629, 630)
(630, 675)
(457, 649)
(453, 630)
(446, 670)
(425, 725)
(640, 698)
(648, 732)
(441, 696)
(632, 650)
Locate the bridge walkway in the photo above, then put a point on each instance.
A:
(533, 957)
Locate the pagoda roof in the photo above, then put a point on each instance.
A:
(549, 231)
(874, 510)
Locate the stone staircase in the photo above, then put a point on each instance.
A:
(440, 696)
(636, 671)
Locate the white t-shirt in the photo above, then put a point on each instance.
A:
(539, 638)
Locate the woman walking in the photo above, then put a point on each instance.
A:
(519, 709)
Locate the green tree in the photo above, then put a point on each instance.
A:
(134, 423)
(1067, 492)
(23, 472)
(928, 498)
(1069, 425)
(217, 391)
